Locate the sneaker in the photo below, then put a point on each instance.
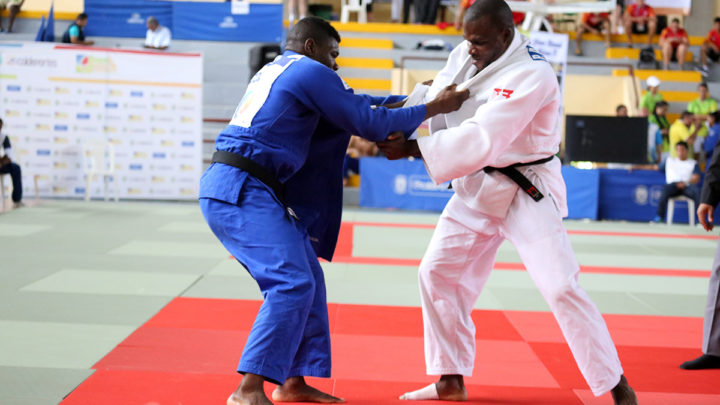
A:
(704, 70)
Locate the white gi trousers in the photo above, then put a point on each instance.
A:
(458, 262)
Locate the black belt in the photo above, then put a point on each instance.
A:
(255, 170)
(514, 174)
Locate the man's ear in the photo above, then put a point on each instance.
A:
(309, 47)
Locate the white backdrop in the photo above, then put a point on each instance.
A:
(149, 105)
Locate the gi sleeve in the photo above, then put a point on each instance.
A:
(322, 90)
(478, 141)
(377, 100)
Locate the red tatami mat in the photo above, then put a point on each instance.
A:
(188, 352)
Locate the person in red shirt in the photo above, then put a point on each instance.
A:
(463, 5)
(674, 43)
(594, 23)
(710, 47)
(640, 18)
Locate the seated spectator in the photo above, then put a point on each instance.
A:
(682, 176)
(297, 8)
(157, 36)
(463, 5)
(701, 107)
(14, 7)
(710, 47)
(74, 34)
(674, 43)
(7, 166)
(621, 111)
(594, 23)
(659, 132)
(683, 130)
(640, 18)
(651, 97)
(357, 148)
(711, 140)
(616, 17)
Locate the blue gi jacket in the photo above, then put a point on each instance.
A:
(282, 138)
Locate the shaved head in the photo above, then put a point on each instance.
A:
(496, 12)
(313, 28)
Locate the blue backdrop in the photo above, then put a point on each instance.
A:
(186, 20)
(594, 194)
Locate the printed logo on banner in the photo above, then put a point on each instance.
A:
(187, 96)
(166, 143)
(83, 116)
(187, 168)
(135, 18)
(12, 87)
(12, 113)
(423, 185)
(61, 128)
(43, 102)
(115, 93)
(187, 144)
(62, 90)
(42, 127)
(60, 165)
(158, 179)
(42, 152)
(110, 130)
(186, 119)
(228, 22)
(94, 64)
(187, 191)
(135, 118)
(400, 184)
(110, 104)
(61, 140)
(30, 62)
(139, 155)
(159, 155)
(61, 115)
(59, 190)
(158, 131)
(134, 191)
(159, 107)
(17, 101)
(136, 93)
(92, 104)
(135, 166)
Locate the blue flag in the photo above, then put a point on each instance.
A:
(50, 27)
(41, 31)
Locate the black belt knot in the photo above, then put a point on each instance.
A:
(514, 174)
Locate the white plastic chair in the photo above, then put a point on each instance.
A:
(99, 160)
(358, 6)
(2, 189)
(671, 209)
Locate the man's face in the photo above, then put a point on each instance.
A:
(152, 26)
(687, 120)
(702, 92)
(682, 152)
(675, 25)
(662, 110)
(717, 26)
(622, 112)
(82, 23)
(487, 42)
(640, 3)
(326, 53)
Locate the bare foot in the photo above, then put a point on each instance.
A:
(449, 388)
(296, 389)
(623, 394)
(250, 392)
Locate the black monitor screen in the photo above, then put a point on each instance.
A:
(606, 139)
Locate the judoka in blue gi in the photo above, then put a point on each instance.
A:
(273, 198)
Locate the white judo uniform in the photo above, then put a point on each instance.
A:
(512, 117)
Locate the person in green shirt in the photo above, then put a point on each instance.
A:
(701, 108)
(659, 132)
(683, 130)
(651, 97)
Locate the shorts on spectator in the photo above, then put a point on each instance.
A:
(714, 56)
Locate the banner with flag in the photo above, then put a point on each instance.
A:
(46, 32)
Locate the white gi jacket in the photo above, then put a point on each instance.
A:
(512, 116)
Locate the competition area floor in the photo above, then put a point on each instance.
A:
(138, 304)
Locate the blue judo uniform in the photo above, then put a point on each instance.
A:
(294, 120)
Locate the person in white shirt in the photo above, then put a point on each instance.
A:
(682, 177)
(498, 149)
(157, 36)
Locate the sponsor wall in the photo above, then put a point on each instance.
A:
(148, 105)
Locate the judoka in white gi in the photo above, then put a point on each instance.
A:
(510, 118)
(271, 199)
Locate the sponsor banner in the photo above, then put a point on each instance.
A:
(56, 98)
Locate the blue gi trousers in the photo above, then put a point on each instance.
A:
(290, 336)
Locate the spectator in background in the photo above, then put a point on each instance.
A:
(74, 34)
(659, 132)
(463, 5)
(357, 148)
(7, 166)
(621, 111)
(701, 107)
(640, 18)
(157, 36)
(674, 43)
(594, 23)
(683, 130)
(14, 8)
(710, 47)
(426, 11)
(651, 97)
(295, 8)
(616, 18)
(682, 177)
(711, 140)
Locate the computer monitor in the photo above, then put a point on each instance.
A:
(606, 139)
